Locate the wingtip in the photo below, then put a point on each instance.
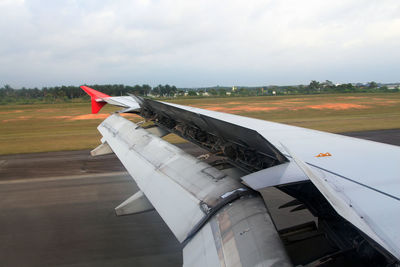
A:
(97, 106)
(95, 97)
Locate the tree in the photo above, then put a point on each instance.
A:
(291, 90)
(222, 92)
(243, 91)
(137, 90)
(328, 83)
(212, 91)
(372, 85)
(174, 90)
(314, 86)
(192, 93)
(163, 91)
(384, 89)
(146, 89)
(156, 90)
(167, 90)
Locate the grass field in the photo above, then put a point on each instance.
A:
(52, 127)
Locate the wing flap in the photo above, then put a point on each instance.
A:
(285, 173)
(375, 214)
(241, 234)
(180, 187)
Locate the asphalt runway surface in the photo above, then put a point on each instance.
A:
(57, 209)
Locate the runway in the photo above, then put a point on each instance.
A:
(57, 209)
(71, 222)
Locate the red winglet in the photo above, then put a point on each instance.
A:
(96, 98)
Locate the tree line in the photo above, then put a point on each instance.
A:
(329, 87)
(69, 93)
(74, 93)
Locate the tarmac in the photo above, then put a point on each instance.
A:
(57, 209)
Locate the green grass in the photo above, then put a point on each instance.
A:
(381, 111)
(41, 127)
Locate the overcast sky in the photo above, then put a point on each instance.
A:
(198, 43)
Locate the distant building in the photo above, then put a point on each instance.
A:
(393, 86)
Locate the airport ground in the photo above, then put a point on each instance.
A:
(57, 209)
(68, 126)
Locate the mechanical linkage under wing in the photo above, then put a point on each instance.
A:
(214, 208)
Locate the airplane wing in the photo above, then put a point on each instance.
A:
(342, 180)
(99, 99)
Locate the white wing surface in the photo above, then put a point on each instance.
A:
(360, 179)
(192, 197)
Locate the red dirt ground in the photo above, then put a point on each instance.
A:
(332, 106)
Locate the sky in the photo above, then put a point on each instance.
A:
(198, 43)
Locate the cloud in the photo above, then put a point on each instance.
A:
(198, 43)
